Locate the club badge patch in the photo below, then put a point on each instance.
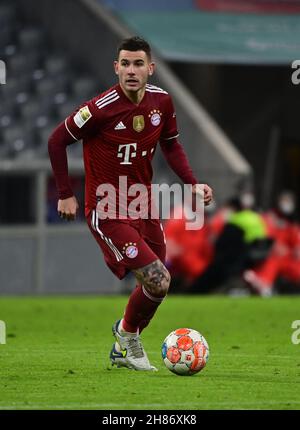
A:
(138, 123)
(155, 117)
(130, 250)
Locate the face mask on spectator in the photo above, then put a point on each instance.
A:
(247, 200)
(286, 205)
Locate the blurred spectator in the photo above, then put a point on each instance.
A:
(283, 262)
(242, 244)
(188, 251)
(234, 238)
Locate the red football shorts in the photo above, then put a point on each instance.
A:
(128, 244)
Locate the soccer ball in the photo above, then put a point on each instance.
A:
(185, 351)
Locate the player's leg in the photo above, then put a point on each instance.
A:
(153, 280)
(153, 283)
(142, 304)
(125, 250)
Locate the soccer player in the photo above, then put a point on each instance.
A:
(120, 129)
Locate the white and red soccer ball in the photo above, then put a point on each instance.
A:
(185, 351)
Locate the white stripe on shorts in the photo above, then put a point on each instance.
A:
(107, 240)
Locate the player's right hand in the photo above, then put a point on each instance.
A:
(67, 208)
(204, 191)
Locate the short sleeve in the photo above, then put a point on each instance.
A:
(169, 130)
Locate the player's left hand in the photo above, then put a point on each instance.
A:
(204, 191)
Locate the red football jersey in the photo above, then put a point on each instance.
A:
(120, 137)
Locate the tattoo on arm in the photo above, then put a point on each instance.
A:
(154, 273)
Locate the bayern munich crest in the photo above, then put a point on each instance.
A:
(130, 250)
(155, 117)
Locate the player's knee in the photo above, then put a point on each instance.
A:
(155, 278)
(166, 282)
(159, 285)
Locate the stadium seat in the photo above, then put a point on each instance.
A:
(42, 137)
(7, 14)
(5, 37)
(64, 110)
(17, 140)
(13, 87)
(43, 88)
(55, 65)
(21, 64)
(48, 87)
(33, 109)
(84, 88)
(30, 39)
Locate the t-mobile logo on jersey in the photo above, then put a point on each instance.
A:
(2, 333)
(125, 151)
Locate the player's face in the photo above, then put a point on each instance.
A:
(133, 69)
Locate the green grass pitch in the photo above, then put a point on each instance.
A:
(56, 355)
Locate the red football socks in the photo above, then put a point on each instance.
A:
(140, 309)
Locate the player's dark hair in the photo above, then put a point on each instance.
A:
(135, 43)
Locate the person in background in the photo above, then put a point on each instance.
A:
(284, 259)
(241, 244)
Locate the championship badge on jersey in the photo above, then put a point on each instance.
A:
(82, 116)
(138, 123)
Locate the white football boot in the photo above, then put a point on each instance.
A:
(128, 351)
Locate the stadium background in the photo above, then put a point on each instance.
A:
(228, 67)
(227, 64)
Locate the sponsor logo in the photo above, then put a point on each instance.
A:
(138, 123)
(82, 116)
(155, 117)
(127, 153)
(122, 353)
(120, 126)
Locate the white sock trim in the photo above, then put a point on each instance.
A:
(123, 332)
(152, 298)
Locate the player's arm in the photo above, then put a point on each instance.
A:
(176, 156)
(178, 161)
(57, 148)
(78, 125)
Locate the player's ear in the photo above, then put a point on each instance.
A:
(151, 68)
(116, 67)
